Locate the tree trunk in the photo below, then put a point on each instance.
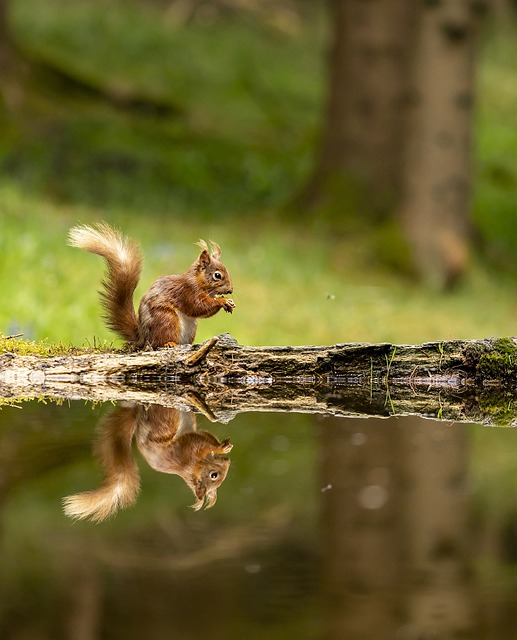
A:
(437, 175)
(363, 139)
(13, 69)
(504, 12)
(397, 131)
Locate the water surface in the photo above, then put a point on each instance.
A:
(323, 527)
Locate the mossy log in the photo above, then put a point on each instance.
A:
(460, 380)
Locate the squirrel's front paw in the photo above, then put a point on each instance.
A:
(225, 446)
(229, 305)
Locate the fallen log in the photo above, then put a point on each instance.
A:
(459, 380)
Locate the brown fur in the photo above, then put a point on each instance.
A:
(121, 484)
(168, 312)
(168, 440)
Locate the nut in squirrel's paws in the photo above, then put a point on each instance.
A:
(229, 305)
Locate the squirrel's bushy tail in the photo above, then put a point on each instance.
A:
(121, 484)
(102, 503)
(124, 260)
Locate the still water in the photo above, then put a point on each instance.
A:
(307, 528)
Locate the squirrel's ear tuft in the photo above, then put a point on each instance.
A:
(216, 250)
(198, 504)
(205, 498)
(211, 498)
(202, 245)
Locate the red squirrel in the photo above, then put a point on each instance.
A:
(168, 440)
(168, 312)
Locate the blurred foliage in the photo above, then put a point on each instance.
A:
(243, 99)
(495, 184)
(204, 109)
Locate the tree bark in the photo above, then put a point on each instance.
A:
(362, 141)
(437, 173)
(461, 380)
(13, 70)
(397, 133)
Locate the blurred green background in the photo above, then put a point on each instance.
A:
(178, 125)
(175, 129)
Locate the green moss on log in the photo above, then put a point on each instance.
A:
(42, 349)
(493, 360)
(500, 405)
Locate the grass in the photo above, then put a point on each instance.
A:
(291, 287)
(18, 345)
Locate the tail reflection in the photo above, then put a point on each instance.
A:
(168, 440)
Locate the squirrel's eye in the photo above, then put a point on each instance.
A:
(214, 475)
(217, 275)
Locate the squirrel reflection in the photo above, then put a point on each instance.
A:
(168, 440)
